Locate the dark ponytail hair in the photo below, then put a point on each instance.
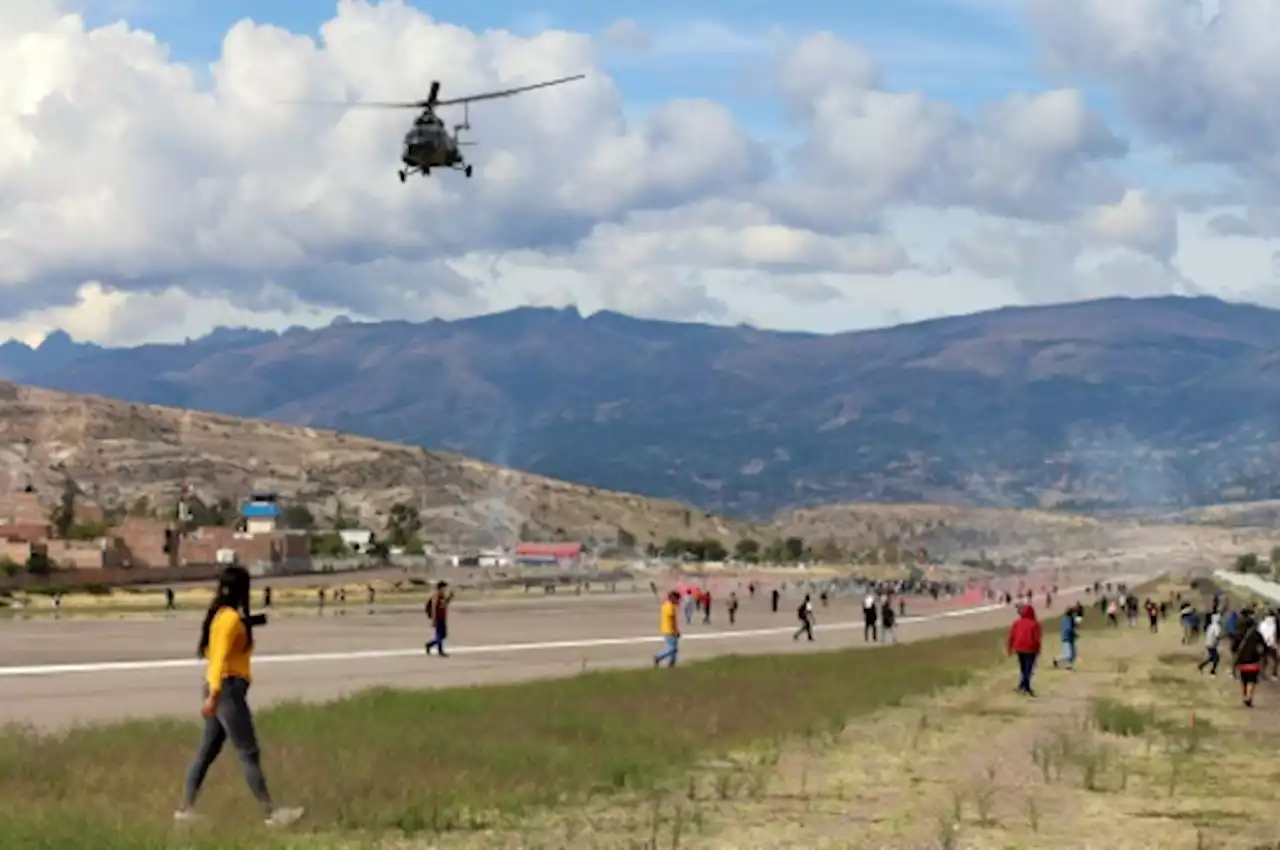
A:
(232, 592)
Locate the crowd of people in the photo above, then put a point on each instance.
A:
(883, 604)
(1250, 634)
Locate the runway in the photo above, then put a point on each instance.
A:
(54, 674)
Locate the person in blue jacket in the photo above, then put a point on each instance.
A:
(1068, 632)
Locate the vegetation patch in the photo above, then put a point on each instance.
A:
(1113, 717)
(421, 762)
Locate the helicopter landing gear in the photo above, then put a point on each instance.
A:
(404, 175)
(467, 171)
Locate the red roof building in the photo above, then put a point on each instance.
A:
(548, 553)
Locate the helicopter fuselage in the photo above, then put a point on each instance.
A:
(428, 145)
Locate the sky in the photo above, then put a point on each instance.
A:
(804, 166)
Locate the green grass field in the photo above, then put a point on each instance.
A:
(394, 764)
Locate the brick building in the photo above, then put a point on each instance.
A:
(279, 549)
(258, 541)
(22, 508)
(139, 543)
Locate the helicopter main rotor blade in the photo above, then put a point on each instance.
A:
(493, 95)
(432, 101)
(360, 104)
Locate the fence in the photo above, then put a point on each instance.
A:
(115, 576)
(72, 579)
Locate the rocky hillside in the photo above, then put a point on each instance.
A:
(119, 453)
(946, 529)
(1119, 404)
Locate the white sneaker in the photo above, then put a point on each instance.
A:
(285, 817)
(187, 816)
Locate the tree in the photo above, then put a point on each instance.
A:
(141, 507)
(626, 540)
(403, 524)
(747, 550)
(220, 513)
(674, 547)
(63, 515)
(329, 545)
(342, 520)
(414, 547)
(794, 548)
(714, 550)
(38, 563)
(775, 552)
(829, 552)
(1247, 563)
(299, 517)
(226, 511)
(88, 530)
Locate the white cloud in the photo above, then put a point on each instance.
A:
(1136, 221)
(1198, 82)
(143, 200)
(1034, 156)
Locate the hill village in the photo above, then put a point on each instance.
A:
(67, 534)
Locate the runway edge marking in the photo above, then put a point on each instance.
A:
(18, 671)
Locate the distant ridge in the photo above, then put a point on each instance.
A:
(1108, 405)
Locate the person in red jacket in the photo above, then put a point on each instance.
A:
(1024, 641)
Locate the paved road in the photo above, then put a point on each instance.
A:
(55, 674)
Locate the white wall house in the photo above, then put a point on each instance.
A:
(356, 539)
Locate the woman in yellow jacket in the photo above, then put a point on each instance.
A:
(226, 642)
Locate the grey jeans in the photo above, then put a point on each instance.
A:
(233, 720)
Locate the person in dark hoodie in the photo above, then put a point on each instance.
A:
(1069, 631)
(888, 622)
(1024, 641)
(1250, 653)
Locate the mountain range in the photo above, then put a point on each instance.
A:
(1107, 405)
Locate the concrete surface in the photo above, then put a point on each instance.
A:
(1250, 583)
(150, 669)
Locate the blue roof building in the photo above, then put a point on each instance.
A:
(260, 510)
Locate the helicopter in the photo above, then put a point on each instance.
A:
(428, 144)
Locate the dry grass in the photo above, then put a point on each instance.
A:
(1154, 756)
(465, 762)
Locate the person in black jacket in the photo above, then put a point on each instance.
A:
(888, 620)
(1250, 652)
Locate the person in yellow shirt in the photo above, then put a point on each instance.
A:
(226, 643)
(669, 623)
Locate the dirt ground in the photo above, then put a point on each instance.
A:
(1133, 749)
